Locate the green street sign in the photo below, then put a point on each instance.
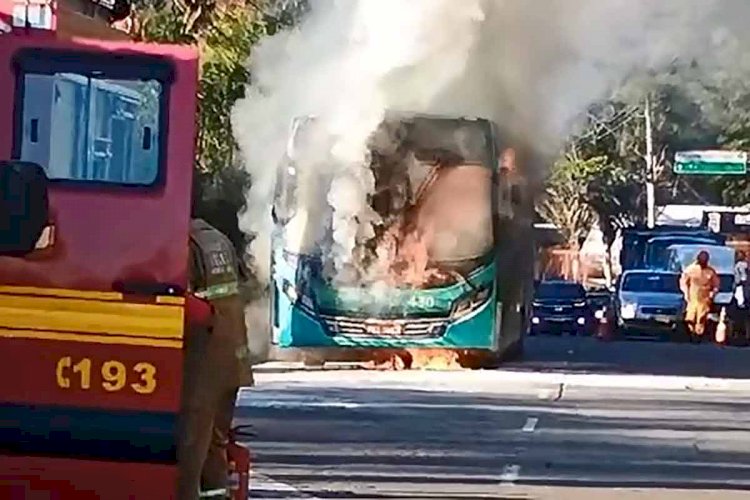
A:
(710, 163)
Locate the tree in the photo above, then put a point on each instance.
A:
(224, 34)
(565, 202)
(684, 116)
(224, 31)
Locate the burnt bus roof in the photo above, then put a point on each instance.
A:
(437, 133)
(407, 116)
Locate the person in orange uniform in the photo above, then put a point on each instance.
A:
(216, 363)
(699, 284)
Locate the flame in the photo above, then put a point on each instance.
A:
(414, 359)
(388, 360)
(508, 160)
(435, 359)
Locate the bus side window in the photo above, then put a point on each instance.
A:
(83, 128)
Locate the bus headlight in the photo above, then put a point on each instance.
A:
(627, 310)
(470, 302)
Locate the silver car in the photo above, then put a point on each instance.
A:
(649, 302)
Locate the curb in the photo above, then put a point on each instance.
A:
(476, 380)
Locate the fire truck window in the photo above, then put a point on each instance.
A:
(88, 129)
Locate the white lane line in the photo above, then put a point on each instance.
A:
(530, 424)
(510, 474)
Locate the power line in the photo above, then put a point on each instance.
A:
(611, 127)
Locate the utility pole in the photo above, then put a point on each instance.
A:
(650, 194)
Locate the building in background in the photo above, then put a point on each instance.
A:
(66, 18)
(690, 215)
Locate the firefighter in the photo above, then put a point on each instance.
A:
(216, 363)
(699, 284)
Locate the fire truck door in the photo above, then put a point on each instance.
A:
(91, 318)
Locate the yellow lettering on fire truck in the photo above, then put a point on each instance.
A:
(62, 365)
(115, 375)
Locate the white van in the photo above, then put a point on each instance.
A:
(721, 258)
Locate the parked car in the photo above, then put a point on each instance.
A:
(649, 303)
(560, 307)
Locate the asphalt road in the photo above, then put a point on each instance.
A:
(491, 434)
(589, 355)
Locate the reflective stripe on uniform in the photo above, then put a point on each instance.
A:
(218, 291)
(217, 493)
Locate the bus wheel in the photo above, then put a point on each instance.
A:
(478, 359)
(313, 360)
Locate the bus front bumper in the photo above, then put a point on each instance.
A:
(302, 328)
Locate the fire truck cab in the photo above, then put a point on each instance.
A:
(96, 154)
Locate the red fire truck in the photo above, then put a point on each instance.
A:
(96, 155)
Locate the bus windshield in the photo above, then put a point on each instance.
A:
(432, 196)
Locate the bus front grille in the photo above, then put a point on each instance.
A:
(380, 328)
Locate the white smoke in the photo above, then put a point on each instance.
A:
(531, 66)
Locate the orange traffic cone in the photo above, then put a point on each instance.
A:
(603, 327)
(721, 327)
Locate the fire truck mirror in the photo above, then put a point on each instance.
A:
(24, 206)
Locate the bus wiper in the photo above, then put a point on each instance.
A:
(460, 278)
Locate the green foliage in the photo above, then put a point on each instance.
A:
(225, 49)
(565, 202)
(691, 108)
(224, 32)
(224, 35)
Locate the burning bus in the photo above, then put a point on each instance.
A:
(442, 260)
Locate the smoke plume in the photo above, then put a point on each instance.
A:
(531, 66)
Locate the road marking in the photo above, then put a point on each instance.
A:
(510, 474)
(530, 424)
